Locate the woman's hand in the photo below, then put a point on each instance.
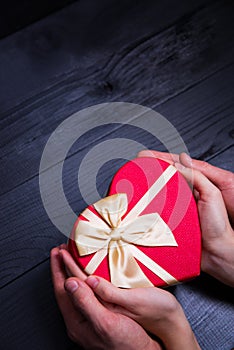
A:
(89, 323)
(214, 191)
(154, 309)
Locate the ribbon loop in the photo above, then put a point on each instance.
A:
(112, 208)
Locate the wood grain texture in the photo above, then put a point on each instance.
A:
(77, 42)
(224, 159)
(30, 318)
(202, 114)
(153, 69)
(178, 60)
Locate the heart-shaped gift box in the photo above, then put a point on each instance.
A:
(145, 232)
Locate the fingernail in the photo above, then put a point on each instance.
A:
(71, 286)
(187, 160)
(54, 252)
(92, 281)
(179, 166)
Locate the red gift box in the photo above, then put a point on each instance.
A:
(146, 232)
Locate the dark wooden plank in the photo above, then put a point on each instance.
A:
(30, 318)
(147, 71)
(224, 159)
(79, 40)
(17, 14)
(201, 115)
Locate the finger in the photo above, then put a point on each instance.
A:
(57, 269)
(168, 157)
(107, 291)
(74, 321)
(86, 302)
(122, 301)
(58, 277)
(223, 179)
(131, 302)
(71, 267)
(63, 246)
(200, 182)
(210, 197)
(114, 299)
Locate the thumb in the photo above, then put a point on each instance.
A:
(211, 206)
(84, 300)
(207, 190)
(107, 291)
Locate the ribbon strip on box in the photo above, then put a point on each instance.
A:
(109, 235)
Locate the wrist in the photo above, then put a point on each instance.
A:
(176, 332)
(218, 259)
(183, 337)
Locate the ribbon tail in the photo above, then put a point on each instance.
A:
(152, 265)
(96, 261)
(124, 270)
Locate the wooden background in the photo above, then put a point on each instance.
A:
(174, 57)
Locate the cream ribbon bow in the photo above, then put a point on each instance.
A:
(112, 236)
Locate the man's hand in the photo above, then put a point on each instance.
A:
(89, 323)
(214, 191)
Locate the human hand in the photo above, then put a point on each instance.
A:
(89, 323)
(214, 191)
(154, 309)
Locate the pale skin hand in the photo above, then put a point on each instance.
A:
(89, 323)
(214, 191)
(154, 309)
